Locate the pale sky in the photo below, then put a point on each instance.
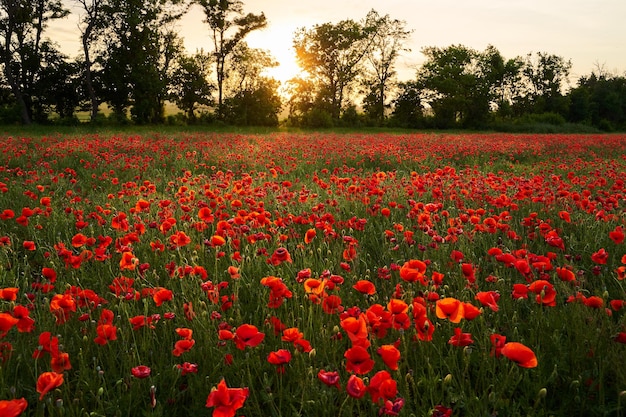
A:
(589, 33)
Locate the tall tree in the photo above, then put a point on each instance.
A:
(447, 79)
(90, 24)
(388, 38)
(253, 98)
(140, 46)
(544, 76)
(22, 26)
(229, 26)
(190, 84)
(332, 55)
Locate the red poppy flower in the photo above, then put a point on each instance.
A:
(365, 287)
(291, 335)
(356, 329)
(355, 387)
(413, 270)
(279, 256)
(9, 293)
(13, 408)
(449, 308)
(60, 363)
(332, 304)
(226, 400)
(470, 311)
(141, 371)
(497, 343)
(105, 333)
(48, 381)
(7, 321)
(185, 333)
(358, 360)
(460, 339)
(600, 257)
(309, 236)
(617, 235)
(546, 294)
(25, 323)
(565, 274)
(248, 335)
(330, 378)
(29, 245)
(519, 291)
(279, 358)
(520, 354)
(390, 356)
(382, 386)
(161, 295)
(187, 368)
(489, 299)
(183, 346)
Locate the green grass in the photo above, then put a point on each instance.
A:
(286, 183)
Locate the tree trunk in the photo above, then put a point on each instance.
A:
(17, 92)
(88, 81)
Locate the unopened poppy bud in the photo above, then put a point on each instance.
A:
(492, 397)
(336, 329)
(542, 393)
(447, 379)
(100, 392)
(605, 294)
(312, 353)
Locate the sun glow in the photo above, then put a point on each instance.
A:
(278, 41)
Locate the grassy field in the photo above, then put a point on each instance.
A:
(312, 274)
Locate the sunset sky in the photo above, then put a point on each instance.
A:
(588, 33)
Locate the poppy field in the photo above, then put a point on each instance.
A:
(313, 274)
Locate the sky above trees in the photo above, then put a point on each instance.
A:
(590, 34)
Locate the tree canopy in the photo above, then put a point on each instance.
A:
(134, 61)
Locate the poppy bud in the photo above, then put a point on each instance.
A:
(542, 393)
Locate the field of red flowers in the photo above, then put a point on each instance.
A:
(313, 274)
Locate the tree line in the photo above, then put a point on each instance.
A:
(134, 61)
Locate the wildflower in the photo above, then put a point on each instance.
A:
(141, 371)
(48, 381)
(600, 257)
(497, 343)
(546, 294)
(520, 354)
(617, 235)
(413, 270)
(9, 293)
(60, 363)
(226, 400)
(365, 287)
(247, 335)
(356, 387)
(460, 339)
(489, 299)
(183, 346)
(382, 386)
(330, 378)
(280, 358)
(391, 408)
(13, 408)
(187, 368)
(358, 360)
(279, 256)
(309, 236)
(390, 356)
(449, 308)
(105, 333)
